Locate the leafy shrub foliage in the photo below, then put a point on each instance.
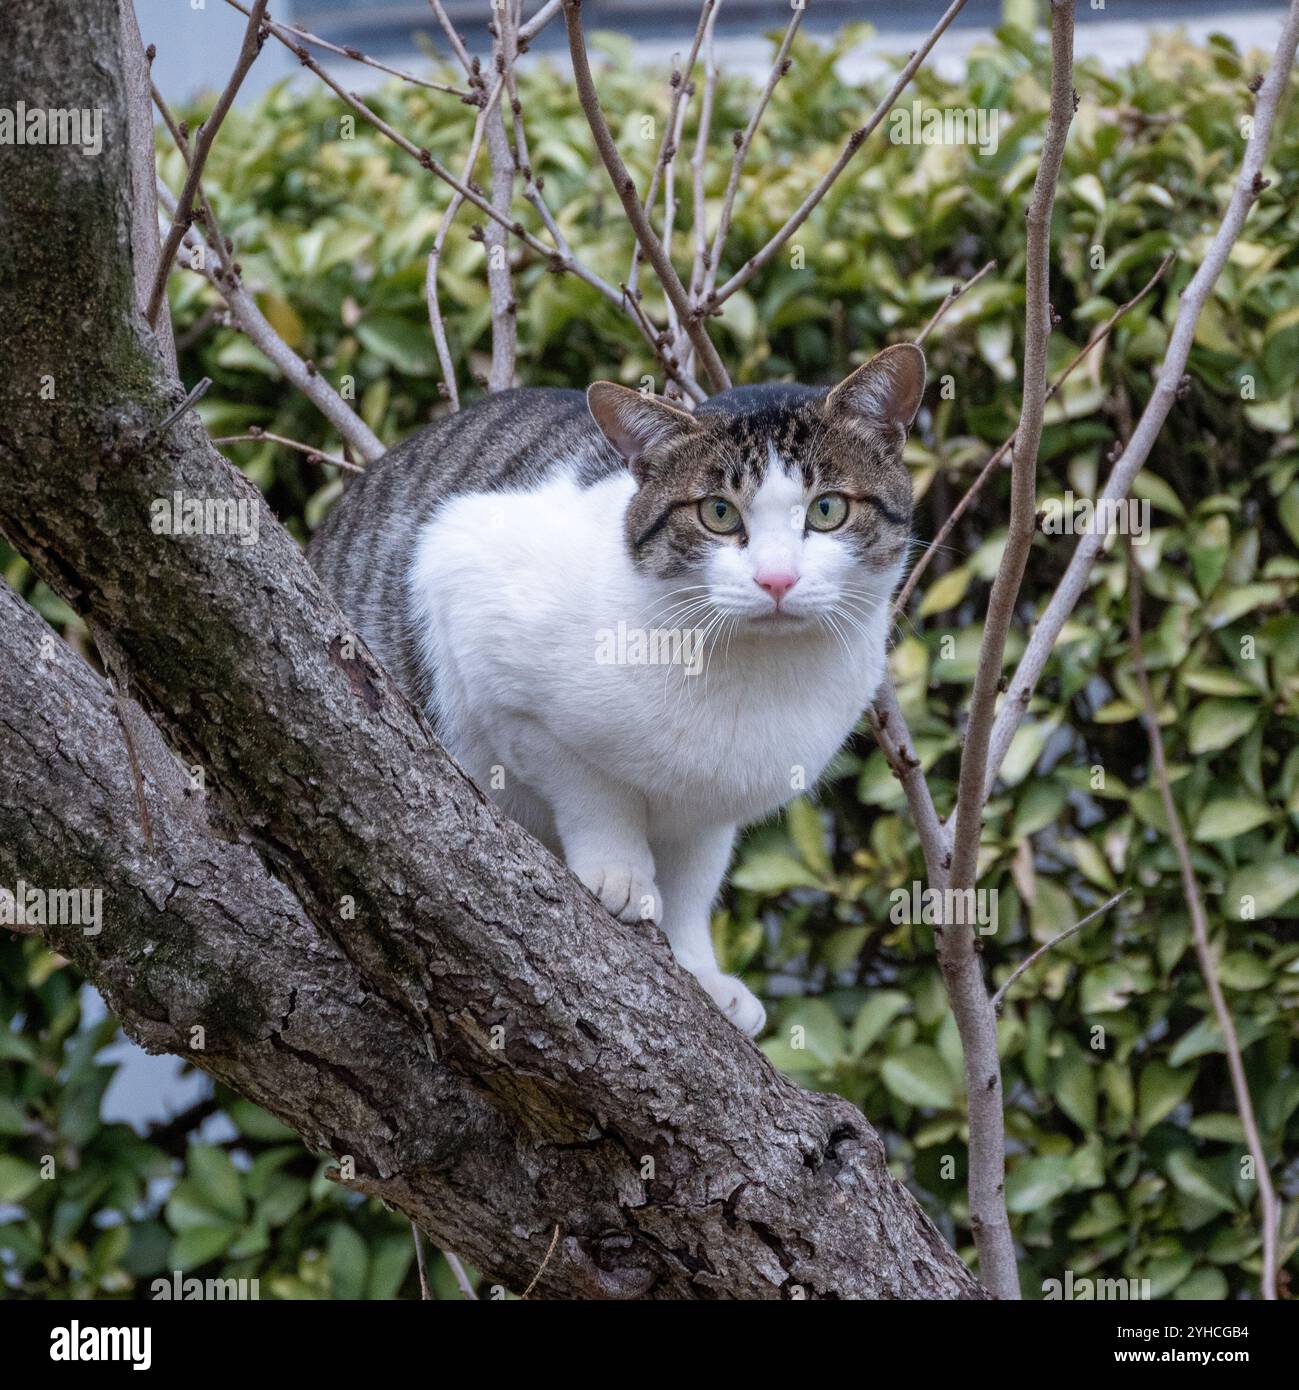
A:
(1126, 1156)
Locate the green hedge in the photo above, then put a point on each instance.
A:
(1125, 1156)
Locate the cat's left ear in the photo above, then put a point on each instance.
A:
(884, 393)
(637, 425)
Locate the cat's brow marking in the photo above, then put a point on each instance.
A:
(883, 509)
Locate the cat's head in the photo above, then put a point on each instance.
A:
(783, 506)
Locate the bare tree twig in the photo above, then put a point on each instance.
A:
(674, 371)
(675, 328)
(1249, 185)
(425, 1293)
(532, 27)
(682, 78)
(855, 141)
(248, 51)
(313, 454)
(890, 728)
(436, 321)
(549, 1252)
(1023, 503)
(146, 249)
(407, 146)
(460, 1275)
(558, 257)
(626, 191)
(712, 259)
(945, 530)
(950, 298)
(453, 38)
(364, 442)
(357, 56)
(500, 284)
(699, 159)
(672, 367)
(957, 953)
(999, 998)
(1269, 1211)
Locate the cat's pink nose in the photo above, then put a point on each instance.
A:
(777, 584)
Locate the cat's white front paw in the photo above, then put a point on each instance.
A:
(625, 890)
(736, 1000)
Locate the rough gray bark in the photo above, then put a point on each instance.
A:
(198, 935)
(674, 1159)
(146, 247)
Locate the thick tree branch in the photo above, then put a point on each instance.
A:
(708, 1173)
(196, 935)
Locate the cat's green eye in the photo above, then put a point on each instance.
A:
(827, 512)
(719, 515)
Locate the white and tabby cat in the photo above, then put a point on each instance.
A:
(486, 559)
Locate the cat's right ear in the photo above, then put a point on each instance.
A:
(638, 426)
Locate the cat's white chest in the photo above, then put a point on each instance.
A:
(528, 610)
(738, 740)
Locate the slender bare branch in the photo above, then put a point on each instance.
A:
(999, 998)
(1269, 1211)
(682, 79)
(550, 1250)
(355, 54)
(855, 141)
(625, 188)
(453, 38)
(304, 375)
(314, 455)
(226, 280)
(950, 298)
(500, 283)
(710, 261)
(207, 132)
(891, 732)
(672, 367)
(421, 1264)
(957, 953)
(1249, 185)
(699, 159)
(436, 321)
(459, 1274)
(676, 329)
(559, 257)
(146, 248)
(1023, 486)
(620, 297)
(532, 27)
(945, 530)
